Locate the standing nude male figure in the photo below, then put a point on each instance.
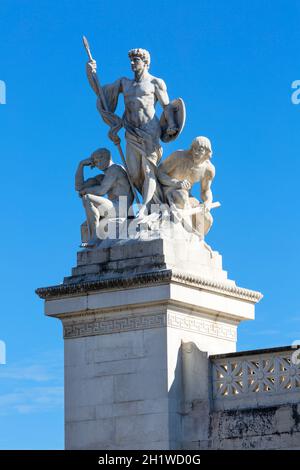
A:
(142, 126)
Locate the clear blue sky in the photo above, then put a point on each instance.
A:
(233, 62)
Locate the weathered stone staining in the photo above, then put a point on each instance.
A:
(149, 315)
(246, 400)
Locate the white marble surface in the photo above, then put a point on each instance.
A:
(124, 359)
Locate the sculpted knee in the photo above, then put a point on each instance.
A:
(180, 198)
(86, 200)
(135, 175)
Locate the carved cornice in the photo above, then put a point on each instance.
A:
(154, 277)
(109, 283)
(222, 288)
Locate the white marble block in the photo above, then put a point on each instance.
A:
(126, 312)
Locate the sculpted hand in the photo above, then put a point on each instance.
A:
(185, 184)
(114, 137)
(172, 130)
(207, 205)
(87, 162)
(92, 66)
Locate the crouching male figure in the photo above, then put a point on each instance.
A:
(113, 182)
(179, 172)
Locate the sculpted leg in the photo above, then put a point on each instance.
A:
(133, 160)
(178, 199)
(149, 185)
(96, 207)
(92, 216)
(208, 221)
(202, 222)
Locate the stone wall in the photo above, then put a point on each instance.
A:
(252, 401)
(276, 427)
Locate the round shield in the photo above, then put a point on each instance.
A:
(179, 118)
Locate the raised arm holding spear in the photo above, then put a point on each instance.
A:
(111, 117)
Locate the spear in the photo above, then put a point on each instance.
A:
(103, 100)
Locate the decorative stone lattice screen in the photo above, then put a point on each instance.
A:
(260, 378)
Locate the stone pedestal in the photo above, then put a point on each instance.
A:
(126, 311)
